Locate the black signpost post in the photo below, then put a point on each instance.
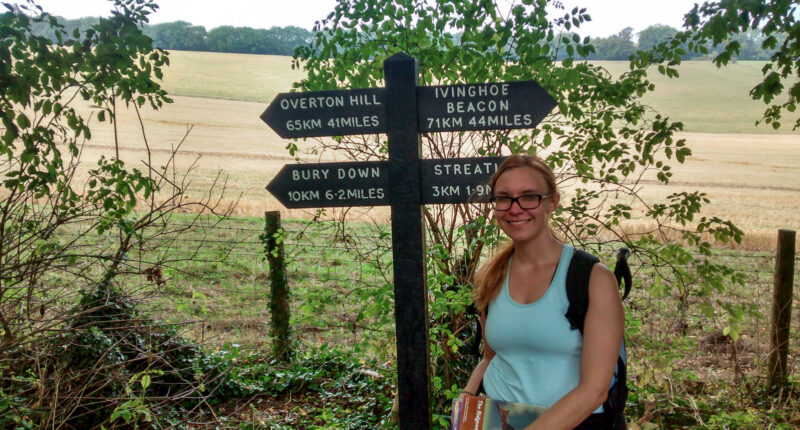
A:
(405, 182)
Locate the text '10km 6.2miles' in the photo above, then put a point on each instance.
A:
(454, 180)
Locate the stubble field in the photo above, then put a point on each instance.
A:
(749, 173)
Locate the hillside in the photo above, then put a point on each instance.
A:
(750, 174)
(706, 99)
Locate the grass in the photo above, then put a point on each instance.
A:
(224, 287)
(697, 379)
(244, 77)
(708, 99)
(705, 98)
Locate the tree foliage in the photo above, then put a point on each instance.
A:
(716, 21)
(617, 47)
(245, 40)
(76, 239)
(655, 34)
(184, 36)
(179, 35)
(601, 140)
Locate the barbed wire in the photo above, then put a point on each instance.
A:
(250, 246)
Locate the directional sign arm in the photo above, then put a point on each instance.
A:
(332, 184)
(489, 106)
(458, 180)
(327, 113)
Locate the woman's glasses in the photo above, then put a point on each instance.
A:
(525, 201)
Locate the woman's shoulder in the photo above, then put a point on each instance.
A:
(591, 260)
(600, 275)
(602, 282)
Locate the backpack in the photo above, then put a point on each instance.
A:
(577, 284)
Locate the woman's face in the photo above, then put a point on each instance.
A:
(523, 224)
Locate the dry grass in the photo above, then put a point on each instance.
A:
(256, 78)
(709, 99)
(751, 179)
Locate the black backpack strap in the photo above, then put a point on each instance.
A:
(615, 403)
(580, 268)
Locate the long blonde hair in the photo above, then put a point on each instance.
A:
(490, 276)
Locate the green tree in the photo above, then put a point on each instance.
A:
(617, 47)
(74, 235)
(275, 41)
(179, 35)
(600, 139)
(655, 34)
(751, 45)
(284, 40)
(242, 40)
(716, 21)
(69, 25)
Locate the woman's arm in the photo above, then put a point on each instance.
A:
(602, 338)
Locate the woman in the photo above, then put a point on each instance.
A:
(530, 355)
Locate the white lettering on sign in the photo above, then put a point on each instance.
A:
(446, 190)
(303, 124)
(480, 168)
(355, 194)
(479, 190)
(446, 122)
(301, 196)
(312, 102)
(364, 100)
(354, 121)
(309, 174)
(472, 192)
(479, 106)
(359, 172)
(463, 91)
(516, 120)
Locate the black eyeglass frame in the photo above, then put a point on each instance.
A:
(493, 200)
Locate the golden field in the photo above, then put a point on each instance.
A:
(752, 177)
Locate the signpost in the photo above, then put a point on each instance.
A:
(404, 181)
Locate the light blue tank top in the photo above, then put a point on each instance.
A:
(538, 356)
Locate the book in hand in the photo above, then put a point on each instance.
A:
(484, 413)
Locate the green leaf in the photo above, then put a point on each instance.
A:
(22, 120)
(145, 381)
(27, 156)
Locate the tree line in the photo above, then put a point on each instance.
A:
(184, 36)
(621, 46)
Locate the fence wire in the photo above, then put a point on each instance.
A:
(342, 293)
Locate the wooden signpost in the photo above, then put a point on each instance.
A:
(405, 182)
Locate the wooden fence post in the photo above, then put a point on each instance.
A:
(781, 309)
(279, 290)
